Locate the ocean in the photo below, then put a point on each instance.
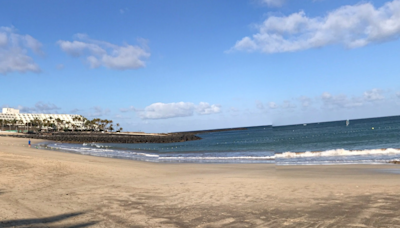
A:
(362, 141)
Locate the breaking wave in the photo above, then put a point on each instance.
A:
(220, 157)
(338, 152)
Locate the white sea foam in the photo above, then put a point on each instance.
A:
(338, 152)
(98, 150)
(220, 158)
(148, 155)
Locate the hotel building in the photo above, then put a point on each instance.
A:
(11, 114)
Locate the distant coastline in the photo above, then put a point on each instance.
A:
(213, 130)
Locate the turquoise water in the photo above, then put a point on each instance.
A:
(361, 142)
(240, 146)
(364, 141)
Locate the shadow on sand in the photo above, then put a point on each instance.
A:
(40, 222)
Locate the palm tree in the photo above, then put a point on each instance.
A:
(62, 123)
(37, 123)
(111, 127)
(67, 124)
(27, 124)
(46, 124)
(14, 122)
(20, 122)
(7, 122)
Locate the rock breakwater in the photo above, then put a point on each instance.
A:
(109, 137)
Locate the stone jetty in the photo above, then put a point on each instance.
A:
(82, 137)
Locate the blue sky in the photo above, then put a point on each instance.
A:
(162, 66)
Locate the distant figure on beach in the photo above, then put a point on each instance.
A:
(29, 143)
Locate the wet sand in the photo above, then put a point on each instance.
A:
(40, 188)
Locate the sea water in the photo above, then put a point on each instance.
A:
(363, 141)
(237, 146)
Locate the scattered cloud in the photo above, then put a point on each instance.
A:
(100, 53)
(15, 52)
(260, 105)
(272, 105)
(98, 111)
(339, 101)
(373, 95)
(305, 101)
(123, 11)
(352, 26)
(205, 108)
(288, 105)
(173, 110)
(342, 101)
(40, 107)
(75, 110)
(131, 108)
(169, 110)
(273, 3)
(118, 116)
(60, 66)
(332, 102)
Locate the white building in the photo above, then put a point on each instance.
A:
(11, 114)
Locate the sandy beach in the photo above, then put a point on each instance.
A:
(40, 188)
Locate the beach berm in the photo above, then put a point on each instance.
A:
(42, 188)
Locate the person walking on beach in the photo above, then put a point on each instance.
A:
(29, 143)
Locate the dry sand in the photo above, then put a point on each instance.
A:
(41, 188)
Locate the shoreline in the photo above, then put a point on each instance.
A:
(279, 158)
(40, 188)
(84, 137)
(160, 159)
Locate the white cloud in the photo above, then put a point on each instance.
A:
(100, 53)
(169, 110)
(131, 108)
(329, 101)
(75, 110)
(272, 105)
(273, 2)
(305, 101)
(179, 109)
(98, 111)
(352, 26)
(60, 66)
(288, 105)
(260, 105)
(33, 44)
(123, 11)
(340, 101)
(205, 108)
(14, 51)
(3, 39)
(373, 95)
(40, 107)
